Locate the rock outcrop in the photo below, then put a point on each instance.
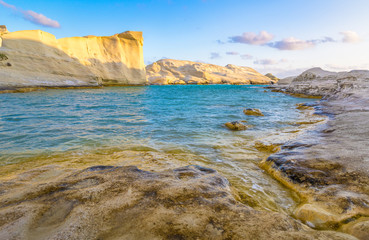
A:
(106, 202)
(316, 81)
(271, 76)
(169, 71)
(253, 112)
(3, 29)
(329, 166)
(236, 125)
(37, 59)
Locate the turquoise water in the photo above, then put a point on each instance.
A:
(169, 119)
(191, 117)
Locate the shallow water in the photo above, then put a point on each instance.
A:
(153, 127)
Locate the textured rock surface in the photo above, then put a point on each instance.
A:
(329, 167)
(271, 76)
(117, 60)
(3, 29)
(38, 59)
(169, 71)
(236, 126)
(253, 112)
(105, 202)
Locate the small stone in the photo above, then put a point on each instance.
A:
(235, 126)
(253, 112)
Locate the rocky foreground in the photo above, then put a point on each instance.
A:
(106, 202)
(169, 71)
(329, 167)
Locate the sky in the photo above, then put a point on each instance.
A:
(284, 37)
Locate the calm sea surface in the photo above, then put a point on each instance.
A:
(172, 120)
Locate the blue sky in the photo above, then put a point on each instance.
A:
(283, 37)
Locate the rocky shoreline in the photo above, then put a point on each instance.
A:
(329, 167)
(326, 167)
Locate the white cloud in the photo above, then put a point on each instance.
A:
(40, 19)
(350, 37)
(292, 43)
(246, 56)
(253, 38)
(31, 16)
(269, 61)
(214, 55)
(232, 53)
(265, 62)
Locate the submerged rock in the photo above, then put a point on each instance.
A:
(302, 106)
(269, 148)
(253, 112)
(235, 125)
(106, 202)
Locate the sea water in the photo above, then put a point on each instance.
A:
(154, 127)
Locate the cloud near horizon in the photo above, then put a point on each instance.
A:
(232, 53)
(246, 56)
(350, 37)
(33, 17)
(214, 55)
(252, 38)
(269, 61)
(292, 43)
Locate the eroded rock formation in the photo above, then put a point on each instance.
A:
(169, 71)
(329, 167)
(253, 112)
(236, 125)
(37, 59)
(106, 202)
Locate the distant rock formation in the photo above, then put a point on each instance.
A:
(3, 29)
(36, 58)
(169, 71)
(317, 81)
(271, 76)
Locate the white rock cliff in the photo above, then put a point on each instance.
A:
(35, 58)
(169, 71)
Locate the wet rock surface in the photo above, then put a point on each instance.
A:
(329, 167)
(236, 126)
(108, 202)
(253, 112)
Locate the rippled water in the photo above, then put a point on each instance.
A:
(172, 125)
